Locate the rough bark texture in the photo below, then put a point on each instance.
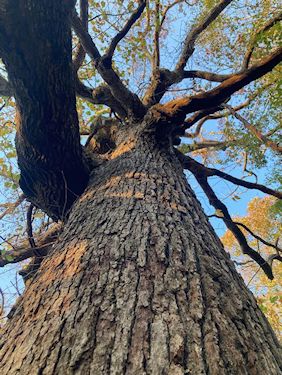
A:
(35, 44)
(138, 284)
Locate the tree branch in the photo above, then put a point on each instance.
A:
(126, 28)
(156, 65)
(167, 8)
(208, 76)
(196, 167)
(208, 143)
(23, 252)
(100, 95)
(257, 237)
(218, 205)
(29, 225)
(128, 100)
(178, 108)
(190, 40)
(80, 52)
(268, 142)
(274, 246)
(203, 116)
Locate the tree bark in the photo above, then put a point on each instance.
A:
(35, 44)
(138, 283)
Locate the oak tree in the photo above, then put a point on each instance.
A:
(131, 278)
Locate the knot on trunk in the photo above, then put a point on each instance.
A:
(103, 135)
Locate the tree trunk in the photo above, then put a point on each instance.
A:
(138, 283)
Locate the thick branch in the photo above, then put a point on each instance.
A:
(189, 43)
(203, 116)
(178, 108)
(274, 246)
(257, 237)
(167, 78)
(128, 100)
(126, 28)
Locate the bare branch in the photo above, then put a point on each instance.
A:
(218, 205)
(178, 108)
(85, 39)
(80, 52)
(121, 34)
(45, 242)
(208, 76)
(167, 8)
(189, 43)
(194, 166)
(245, 169)
(257, 236)
(128, 100)
(208, 143)
(156, 65)
(273, 257)
(204, 116)
(274, 246)
(262, 29)
(198, 128)
(268, 142)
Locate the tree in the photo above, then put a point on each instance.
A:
(132, 278)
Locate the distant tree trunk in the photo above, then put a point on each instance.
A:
(138, 283)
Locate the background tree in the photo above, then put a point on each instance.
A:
(132, 278)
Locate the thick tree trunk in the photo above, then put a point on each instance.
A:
(138, 284)
(35, 45)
